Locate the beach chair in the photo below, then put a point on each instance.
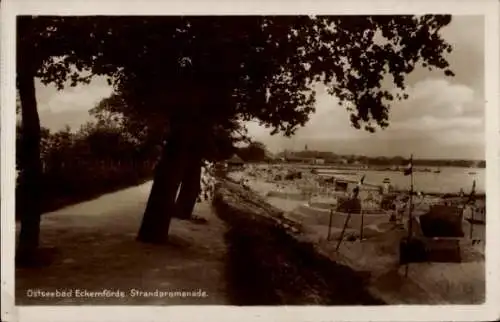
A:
(442, 221)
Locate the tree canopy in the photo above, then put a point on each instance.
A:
(255, 151)
(250, 67)
(191, 80)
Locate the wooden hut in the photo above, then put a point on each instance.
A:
(235, 163)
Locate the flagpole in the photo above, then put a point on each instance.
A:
(472, 208)
(330, 224)
(361, 228)
(410, 202)
(362, 213)
(471, 222)
(410, 217)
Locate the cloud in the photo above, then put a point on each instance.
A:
(329, 120)
(467, 60)
(440, 110)
(434, 104)
(437, 97)
(438, 116)
(81, 97)
(58, 121)
(71, 105)
(432, 123)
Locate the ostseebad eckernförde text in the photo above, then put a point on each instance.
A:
(115, 293)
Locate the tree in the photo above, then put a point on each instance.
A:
(41, 42)
(27, 67)
(198, 73)
(265, 68)
(255, 151)
(148, 130)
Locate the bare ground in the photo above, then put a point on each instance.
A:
(93, 248)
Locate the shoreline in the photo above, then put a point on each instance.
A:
(418, 168)
(376, 181)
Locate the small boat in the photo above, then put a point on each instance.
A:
(437, 171)
(471, 173)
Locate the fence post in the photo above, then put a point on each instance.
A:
(343, 231)
(330, 224)
(471, 222)
(361, 228)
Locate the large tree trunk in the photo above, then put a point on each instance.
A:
(190, 189)
(161, 202)
(31, 167)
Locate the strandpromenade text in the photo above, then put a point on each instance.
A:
(117, 293)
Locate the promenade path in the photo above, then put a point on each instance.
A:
(94, 248)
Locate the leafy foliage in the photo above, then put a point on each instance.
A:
(221, 70)
(255, 151)
(81, 164)
(252, 67)
(256, 67)
(148, 132)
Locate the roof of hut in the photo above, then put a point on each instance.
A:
(235, 159)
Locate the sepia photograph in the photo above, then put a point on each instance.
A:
(248, 160)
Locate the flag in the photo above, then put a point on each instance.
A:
(409, 167)
(472, 194)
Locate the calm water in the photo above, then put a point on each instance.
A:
(450, 180)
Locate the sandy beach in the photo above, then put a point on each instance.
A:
(305, 201)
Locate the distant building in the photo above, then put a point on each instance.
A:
(319, 161)
(295, 159)
(386, 186)
(235, 162)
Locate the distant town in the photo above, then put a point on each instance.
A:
(322, 157)
(257, 152)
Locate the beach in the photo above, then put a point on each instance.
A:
(370, 243)
(447, 180)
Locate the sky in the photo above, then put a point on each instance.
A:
(443, 117)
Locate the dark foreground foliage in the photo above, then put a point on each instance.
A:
(81, 165)
(80, 184)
